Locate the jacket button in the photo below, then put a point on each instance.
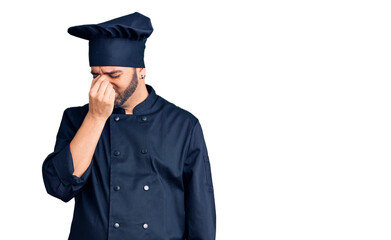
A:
(116, 153)
(146, 187)
(144, 118)
(116, 188)
(116, 118)
(144, 151)
(145, 226)
(116, 225)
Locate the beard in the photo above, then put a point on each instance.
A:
(123, 97)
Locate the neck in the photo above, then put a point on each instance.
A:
(139, 95)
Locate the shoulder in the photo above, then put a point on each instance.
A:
(77, 110)
(75, 114)
(176, 113)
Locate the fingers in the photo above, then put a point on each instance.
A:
(102, 88)
(99, 86)
(96, 84)
(94, 80)
(101, 97)
(112, 95)
(109, 90)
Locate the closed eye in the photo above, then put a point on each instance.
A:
(94, 76)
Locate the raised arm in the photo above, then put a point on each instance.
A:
(66, 170)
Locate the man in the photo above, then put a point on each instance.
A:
(136, 164)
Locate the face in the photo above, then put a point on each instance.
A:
(123, 79)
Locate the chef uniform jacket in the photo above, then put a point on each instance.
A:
(149, 178)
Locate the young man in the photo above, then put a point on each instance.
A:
(136, 164)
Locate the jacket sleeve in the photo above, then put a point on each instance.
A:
(200, 209)
(57, 168)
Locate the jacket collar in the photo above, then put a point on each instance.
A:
(143, 107)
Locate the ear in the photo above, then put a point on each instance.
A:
(140, 71)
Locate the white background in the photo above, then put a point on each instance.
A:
(293, 97)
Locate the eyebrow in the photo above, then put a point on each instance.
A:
(112, 72)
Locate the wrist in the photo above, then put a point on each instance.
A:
(95, 119)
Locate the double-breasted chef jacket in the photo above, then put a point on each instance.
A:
(149, 178)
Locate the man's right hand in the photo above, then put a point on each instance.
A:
(101, 98)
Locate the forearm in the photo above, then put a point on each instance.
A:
(83, 145)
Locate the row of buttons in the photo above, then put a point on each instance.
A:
(143, 118)
(145, 226)
(143, 151)
(117, 188)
